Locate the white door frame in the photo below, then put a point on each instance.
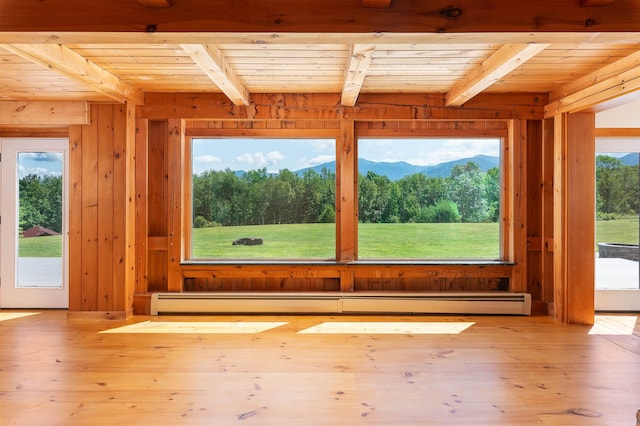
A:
(12, 296)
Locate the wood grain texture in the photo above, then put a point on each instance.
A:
(319, 16)
(386, 370)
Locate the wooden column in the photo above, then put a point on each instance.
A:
(176, 166)
(346, 194)
(514, 215)
(142, 193)
(534, 209)
(547, 212)
(574, 218)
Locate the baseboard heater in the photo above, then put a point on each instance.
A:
(345, 303)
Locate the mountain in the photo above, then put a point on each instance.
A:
(398, 170)
(485, 162)
(630, 159)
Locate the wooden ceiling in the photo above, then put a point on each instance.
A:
(66, 62)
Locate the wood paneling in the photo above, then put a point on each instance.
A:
(175, 172)
(534, 212)
(100, 271)
(157, 195)
(319, 16)
(574, 218)
(370, 107)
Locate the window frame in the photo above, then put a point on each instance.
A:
(346, 250)
(507, 184)
(235, 134)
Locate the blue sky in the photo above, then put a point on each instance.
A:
(39, 163)
(296, 154)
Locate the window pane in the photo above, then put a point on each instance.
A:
(263, 198)
(429, 198)
(617, 208)
(40, 220)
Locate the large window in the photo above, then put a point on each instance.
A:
(429, 198)
(263, 198)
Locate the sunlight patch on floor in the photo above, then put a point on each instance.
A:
(6, 316)
(215, 327)
(388, 328)
(614, 325)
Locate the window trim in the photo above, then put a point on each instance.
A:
(346, 137)
(242, 134)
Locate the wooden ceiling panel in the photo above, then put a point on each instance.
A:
(319, 67)
(24, 80)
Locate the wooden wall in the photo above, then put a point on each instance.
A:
(101, 246)
(128, 210)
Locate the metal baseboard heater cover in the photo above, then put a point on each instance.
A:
(498, 303)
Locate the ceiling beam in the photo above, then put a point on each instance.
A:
(495, 67)
(65, 61)
(605, 86)
(29, 113)
(380, 4)
(356, 71)
(589, 3)
(318, 16)
(215, 65)
(155, 3)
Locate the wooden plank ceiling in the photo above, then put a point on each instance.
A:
(118, 72)
(124, 66)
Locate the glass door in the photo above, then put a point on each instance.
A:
(617, 225)
(33, 227)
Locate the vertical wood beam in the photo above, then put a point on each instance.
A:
(106, 214)
(75, 218)
(141, 194)
(516, 209)
(346, 194)
(534, 216)
(89, 213)
(129, 242)
(176, 166)
(547, 211)
(574, 222)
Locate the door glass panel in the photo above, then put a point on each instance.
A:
(617, 208)
(40, 219)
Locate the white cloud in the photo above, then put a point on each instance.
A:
(321, 159)
(207, 159)
(38, 171)
(45, 157)
(269, 160)
(321, 145)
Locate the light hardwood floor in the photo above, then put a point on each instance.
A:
(318, 370)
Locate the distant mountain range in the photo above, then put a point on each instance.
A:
(398, 170)
(630, 159)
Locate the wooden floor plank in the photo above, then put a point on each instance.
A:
(205, 370)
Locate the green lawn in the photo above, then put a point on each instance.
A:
(317, 241)
(46, 246)
(410, 240)
(617, 231)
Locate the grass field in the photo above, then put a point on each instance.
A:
(410, 240)
(46, 246)
(317, 241)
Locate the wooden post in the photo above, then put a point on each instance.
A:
(574, 221)
(175, 223)
(142, 215)
(346, 194)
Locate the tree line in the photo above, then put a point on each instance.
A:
(40, 202)
(257, 197)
